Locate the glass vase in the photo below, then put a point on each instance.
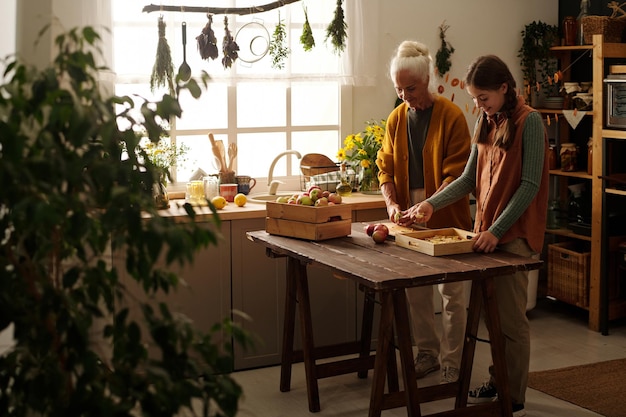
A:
(368, 181)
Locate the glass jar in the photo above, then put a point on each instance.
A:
(570, 30)
(569, 157)
(552, 157)
(590, 156)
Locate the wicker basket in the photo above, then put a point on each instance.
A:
(568, 272)
(610, 28)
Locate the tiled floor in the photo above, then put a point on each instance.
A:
(560, 338)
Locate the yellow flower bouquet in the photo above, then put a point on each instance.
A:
(360, 150)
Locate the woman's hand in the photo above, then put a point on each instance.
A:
(393, 211)
(485, 242)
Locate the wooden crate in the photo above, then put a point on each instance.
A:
(568, 272)
(307, 222)
(416, 242)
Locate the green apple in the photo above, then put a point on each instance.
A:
(304, 200)
(315, 194)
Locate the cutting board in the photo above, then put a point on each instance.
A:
(395, 229)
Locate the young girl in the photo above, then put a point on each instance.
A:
(509, 175)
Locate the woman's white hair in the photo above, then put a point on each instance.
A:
(414, 57)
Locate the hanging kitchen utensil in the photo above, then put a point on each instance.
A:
(184, 71)
(207, 42)
(163, 69)
(316, 163)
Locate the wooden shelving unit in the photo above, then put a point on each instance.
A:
(601, 308)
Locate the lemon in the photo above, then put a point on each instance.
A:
(219, 202)
(240, 200)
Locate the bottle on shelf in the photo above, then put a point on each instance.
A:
(574, 206)
(584, 11)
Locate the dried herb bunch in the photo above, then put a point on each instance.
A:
(306, 39)
(442, 58)
(278, 46)
(336, 31)
(163, 69)
(207, 42)
(229, 46)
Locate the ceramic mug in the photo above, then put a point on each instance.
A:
(245, 183)
(228, 191)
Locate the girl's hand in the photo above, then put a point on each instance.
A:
(422, 212)
(485, 242)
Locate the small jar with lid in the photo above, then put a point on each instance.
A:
(569, 157)
(590, 156)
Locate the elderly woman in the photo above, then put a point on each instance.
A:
(426, 146)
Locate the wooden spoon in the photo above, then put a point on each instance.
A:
(232, 154)
(316, 163)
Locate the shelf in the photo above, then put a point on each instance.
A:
(568, 233)
(613, 134)
(615, 191)
(573, 174)
(572, 48)
(560, 111)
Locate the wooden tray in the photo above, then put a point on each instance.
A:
(415, 241)
(307, 222)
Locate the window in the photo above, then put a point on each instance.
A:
(265, 111)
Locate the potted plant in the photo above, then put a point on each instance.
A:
(537, 65)
(67, 200)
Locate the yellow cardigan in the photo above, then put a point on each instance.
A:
(445, 154)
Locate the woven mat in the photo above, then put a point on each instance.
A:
(599, 387)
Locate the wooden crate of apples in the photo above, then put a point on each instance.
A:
(312, 215)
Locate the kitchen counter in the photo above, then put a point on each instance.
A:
(358, 201)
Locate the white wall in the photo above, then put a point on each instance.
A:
(477, 27)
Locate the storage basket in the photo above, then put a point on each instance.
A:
(609, 27)
(568, 272)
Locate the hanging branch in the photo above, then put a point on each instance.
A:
(163, 69)
(442, 58)
(207, 42)
(229, 46)
(278, 48)
(336, 30)
(306, 39)
(241, 11)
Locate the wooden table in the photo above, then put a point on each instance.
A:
(386, 270)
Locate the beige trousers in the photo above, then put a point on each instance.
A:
(453, 319)
(512, 294)
(448, 347)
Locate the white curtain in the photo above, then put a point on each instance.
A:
(360, 59)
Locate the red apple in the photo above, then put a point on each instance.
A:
(314, 187)
(322, 201)
(325, 193)
(369, 228)
(334, 198)
(380, 233)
